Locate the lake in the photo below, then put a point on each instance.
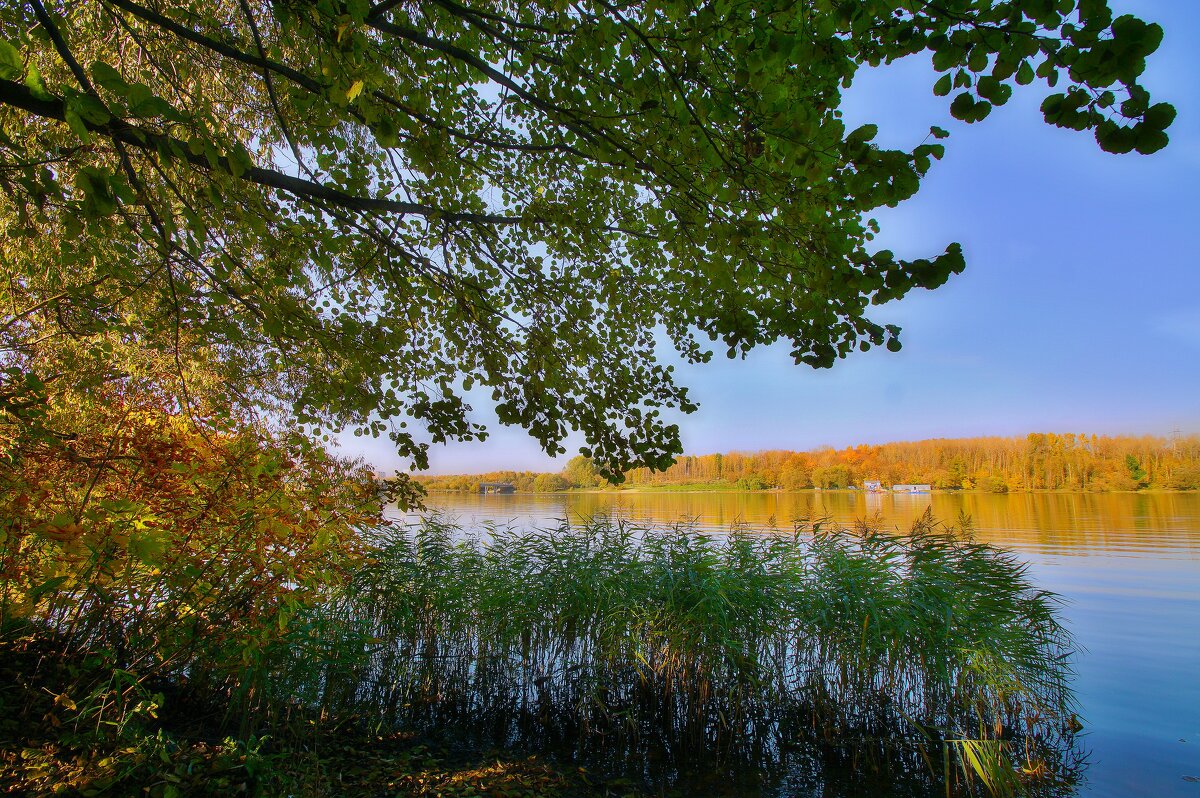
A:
(1127, 565)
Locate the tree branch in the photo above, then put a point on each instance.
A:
(19, 96)
(184, 32)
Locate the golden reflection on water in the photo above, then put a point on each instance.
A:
(1058, 523)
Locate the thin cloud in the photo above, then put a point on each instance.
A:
(1183, 326)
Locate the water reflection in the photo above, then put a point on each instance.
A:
(1128, 566)
(1069, 524)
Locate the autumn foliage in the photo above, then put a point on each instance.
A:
(1038, 461)
(168, 549)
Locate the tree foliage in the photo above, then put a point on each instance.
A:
(581, 472)
(351, 213)
(1038, 461)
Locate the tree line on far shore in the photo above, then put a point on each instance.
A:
(1038, 461)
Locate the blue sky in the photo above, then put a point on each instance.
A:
(1079, 309)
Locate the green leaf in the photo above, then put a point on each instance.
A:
(89, 108)
(1115, 139)
(963, 106)
(12, 66)
(993, 90)
(239, 161)
(108, 77)
(154, 107)
(937, 151)
(1159, 116)
(945, 58)
(387, 133)
(862, 134)
(75, 122)
(1150, 141)
(98, 199)
(1138, 102)
(36, 85)
(49, 586)
(121, 189)
(943, 85)
(978, 60)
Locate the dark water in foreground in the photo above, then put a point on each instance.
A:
(1127, 564)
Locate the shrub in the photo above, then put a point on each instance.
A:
(170, 551)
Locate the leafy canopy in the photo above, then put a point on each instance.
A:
(351, 213)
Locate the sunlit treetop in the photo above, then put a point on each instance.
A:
(351, 213)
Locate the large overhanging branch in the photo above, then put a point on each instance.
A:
(311, 85)
(19, 96)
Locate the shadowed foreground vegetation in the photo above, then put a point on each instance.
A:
(626, 660)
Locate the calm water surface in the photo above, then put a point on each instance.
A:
(1128, 566)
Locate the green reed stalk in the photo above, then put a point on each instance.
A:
(747, 644)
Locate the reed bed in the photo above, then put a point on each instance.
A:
(909, 655)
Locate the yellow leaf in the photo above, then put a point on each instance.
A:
(355, 89)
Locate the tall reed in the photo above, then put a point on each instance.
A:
(896, 652)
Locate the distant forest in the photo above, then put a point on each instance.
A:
(1039, 461)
